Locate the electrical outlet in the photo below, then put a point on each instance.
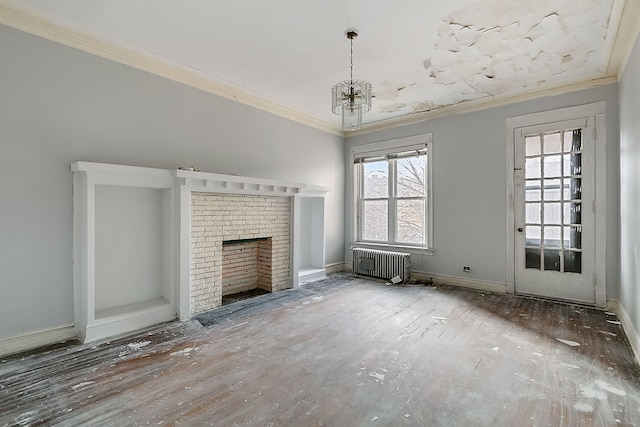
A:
(466, 269)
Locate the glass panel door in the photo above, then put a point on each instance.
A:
(554, 238)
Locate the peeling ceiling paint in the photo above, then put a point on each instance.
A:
(489, 48)
(419, 55)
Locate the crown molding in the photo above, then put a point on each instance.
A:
(628, 30)
(615, 17)
(483, 104)
(36, 24)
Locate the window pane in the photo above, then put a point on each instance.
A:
(552, 166)
(533, 235)
(552, 189)
(566, 141)
(532, 145)
(376, 180)
(573, 262)
(532, 258)
(553, 213)
(532, 167)
(375, 220)
(572, 213)
(552, 143)
(575, 189)
(552, 237)
(411, 176)
(552, 260)
(572, 164)
(533, 213)
(533, 191)
(573, 237)
(573, 140)
(410, 221)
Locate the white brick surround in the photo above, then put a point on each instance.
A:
(219, 217)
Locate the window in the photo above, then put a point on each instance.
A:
(392, 188)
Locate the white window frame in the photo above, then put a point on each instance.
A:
(385, 148)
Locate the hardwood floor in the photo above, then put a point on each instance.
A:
(343, 352)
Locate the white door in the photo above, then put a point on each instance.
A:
(554, 181)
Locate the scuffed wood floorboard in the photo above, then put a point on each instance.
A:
(343, 352)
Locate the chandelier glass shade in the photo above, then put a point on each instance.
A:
(351, 98)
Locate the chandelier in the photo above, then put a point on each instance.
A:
(351, 97)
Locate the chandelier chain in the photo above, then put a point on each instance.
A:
(351, 39)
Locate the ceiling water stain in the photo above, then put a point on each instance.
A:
(392, 108)
(422, 107)
(387, 91)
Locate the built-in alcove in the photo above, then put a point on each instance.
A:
(124, 250)
(132, 227)
(311, 238)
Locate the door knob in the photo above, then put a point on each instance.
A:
(519, 229)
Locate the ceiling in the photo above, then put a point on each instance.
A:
(284, 56)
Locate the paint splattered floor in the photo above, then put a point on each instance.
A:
(343, 352)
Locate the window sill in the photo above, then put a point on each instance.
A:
(398, 248)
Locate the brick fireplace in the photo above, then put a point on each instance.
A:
(174, 224)
(219, 218)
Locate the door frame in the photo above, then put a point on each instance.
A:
(597, 111)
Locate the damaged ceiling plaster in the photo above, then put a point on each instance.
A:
(283, 56)
(491, 48)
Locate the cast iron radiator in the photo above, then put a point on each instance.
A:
(381, 264)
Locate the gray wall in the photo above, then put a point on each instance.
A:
(630, 187)
(469, 186)
(58, 105)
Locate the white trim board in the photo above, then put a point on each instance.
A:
(335, 267)
(37, 339)
(630, 331)
(479, 285)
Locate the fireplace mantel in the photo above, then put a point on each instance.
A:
(218, 183)
(112, 200)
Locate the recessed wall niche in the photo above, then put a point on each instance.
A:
(124, 258)
(311, 257)
(131, 244)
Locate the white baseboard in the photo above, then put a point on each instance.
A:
(309, 276)
(627, 325)
(127, 322)
(37, 339)
(481, 285)
(335, 267)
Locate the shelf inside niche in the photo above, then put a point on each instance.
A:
(123, 310)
